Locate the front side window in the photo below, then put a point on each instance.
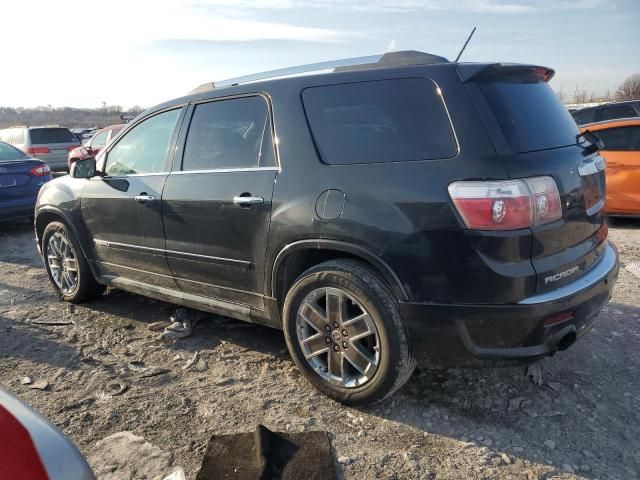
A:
(144, 148)
(100, 140)
(380, 121)
(234, 133)
(620, 139)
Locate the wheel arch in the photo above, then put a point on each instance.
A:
(46, 215)
(297, 257)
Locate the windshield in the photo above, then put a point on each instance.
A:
(9, 153)
(530, 114)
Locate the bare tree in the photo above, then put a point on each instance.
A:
(629, 89)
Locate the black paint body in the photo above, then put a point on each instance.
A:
(461, 291)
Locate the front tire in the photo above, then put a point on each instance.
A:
(344, 331)
(66, 266)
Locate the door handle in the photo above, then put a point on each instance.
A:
(144, 198)
(248, 200)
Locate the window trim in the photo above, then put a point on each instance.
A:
(180, 147)
(168, 160)
(444, 104)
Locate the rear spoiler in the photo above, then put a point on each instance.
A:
(469, 72)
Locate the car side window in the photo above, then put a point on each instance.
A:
(100, 140)
(233, 133)
(144, 148)
(613, 112)
(621, 139)
(582, 117)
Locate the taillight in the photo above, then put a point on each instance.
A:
(41, 171)
(36, 150)
(507, 204)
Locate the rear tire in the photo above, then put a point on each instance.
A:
(66, 266)
(360, 354)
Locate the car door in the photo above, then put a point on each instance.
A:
(217, 202)
(622, 153)
(122, 208)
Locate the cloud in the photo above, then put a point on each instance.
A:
(403, 6)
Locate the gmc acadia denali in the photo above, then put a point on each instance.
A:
(390, 209)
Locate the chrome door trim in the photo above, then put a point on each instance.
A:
(173, 253)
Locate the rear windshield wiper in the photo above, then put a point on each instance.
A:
(595, 142)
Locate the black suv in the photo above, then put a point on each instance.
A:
(400, 208)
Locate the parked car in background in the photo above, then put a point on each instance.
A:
(92, 147)
(32, 448)
(607, 111)
(50, 143)
(408, 208)
(622, 152)
(81, 132)
(21, 177)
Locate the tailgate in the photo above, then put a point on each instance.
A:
(536, 136)
(564, 250)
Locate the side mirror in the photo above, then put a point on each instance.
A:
(85, 168)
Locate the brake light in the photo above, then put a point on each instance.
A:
(508, 204)
(40, 171)
(36, 150)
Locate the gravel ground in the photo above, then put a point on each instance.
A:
(107, 374)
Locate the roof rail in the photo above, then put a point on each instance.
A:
(391, 59)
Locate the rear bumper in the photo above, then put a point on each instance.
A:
(24, 210)
(457, 335)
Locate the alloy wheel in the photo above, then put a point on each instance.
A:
(338, 337)
(63, 264)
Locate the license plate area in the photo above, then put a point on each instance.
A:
(7, 181)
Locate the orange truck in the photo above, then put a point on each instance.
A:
(622, 152)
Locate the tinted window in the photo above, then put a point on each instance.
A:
(18, 137)
(613, 112)
(144, 148)
(530, 114)
(380, 121)
(7, 152)
(51, 135)
(229, 134)
(581, 117)
(99, 140)
(621, 138)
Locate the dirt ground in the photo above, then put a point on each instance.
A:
(107, 374)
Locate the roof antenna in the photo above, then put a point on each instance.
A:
(465, 44)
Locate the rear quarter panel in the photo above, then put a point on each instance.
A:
(400, 212)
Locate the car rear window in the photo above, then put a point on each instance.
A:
(8, 153)
(51, 135)
(380, 121)
(529, 113)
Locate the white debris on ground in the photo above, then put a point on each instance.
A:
(124, 455)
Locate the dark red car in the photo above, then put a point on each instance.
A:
(96, 143)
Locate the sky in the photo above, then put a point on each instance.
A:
(81, 53)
